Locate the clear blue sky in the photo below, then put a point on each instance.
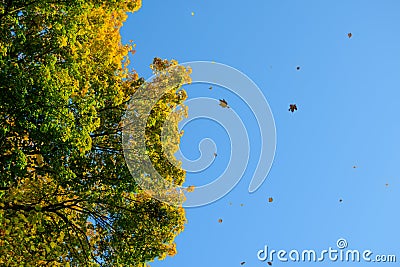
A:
(347, 93)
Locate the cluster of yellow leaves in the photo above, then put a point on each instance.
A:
(26, 238)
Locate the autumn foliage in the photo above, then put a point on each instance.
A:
(66, 195)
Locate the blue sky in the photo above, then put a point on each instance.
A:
(347, 93)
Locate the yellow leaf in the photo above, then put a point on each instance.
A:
(61, 237)
(190, 188)
(63, 41)
(39, 159)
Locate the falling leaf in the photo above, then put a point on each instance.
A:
(269, 263)
(223, 103)
(242, 263)
(192, 13)
(190, 188)
(220, 220)
(349, 34)
(270, 199)
(292, 107)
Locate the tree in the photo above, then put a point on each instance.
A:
(67, 197)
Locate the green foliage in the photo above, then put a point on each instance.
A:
(66, 195)
(161, 151)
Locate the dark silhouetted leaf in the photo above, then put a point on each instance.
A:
(223, 103)
(292, 107)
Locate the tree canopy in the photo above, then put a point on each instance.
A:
(67, 197)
